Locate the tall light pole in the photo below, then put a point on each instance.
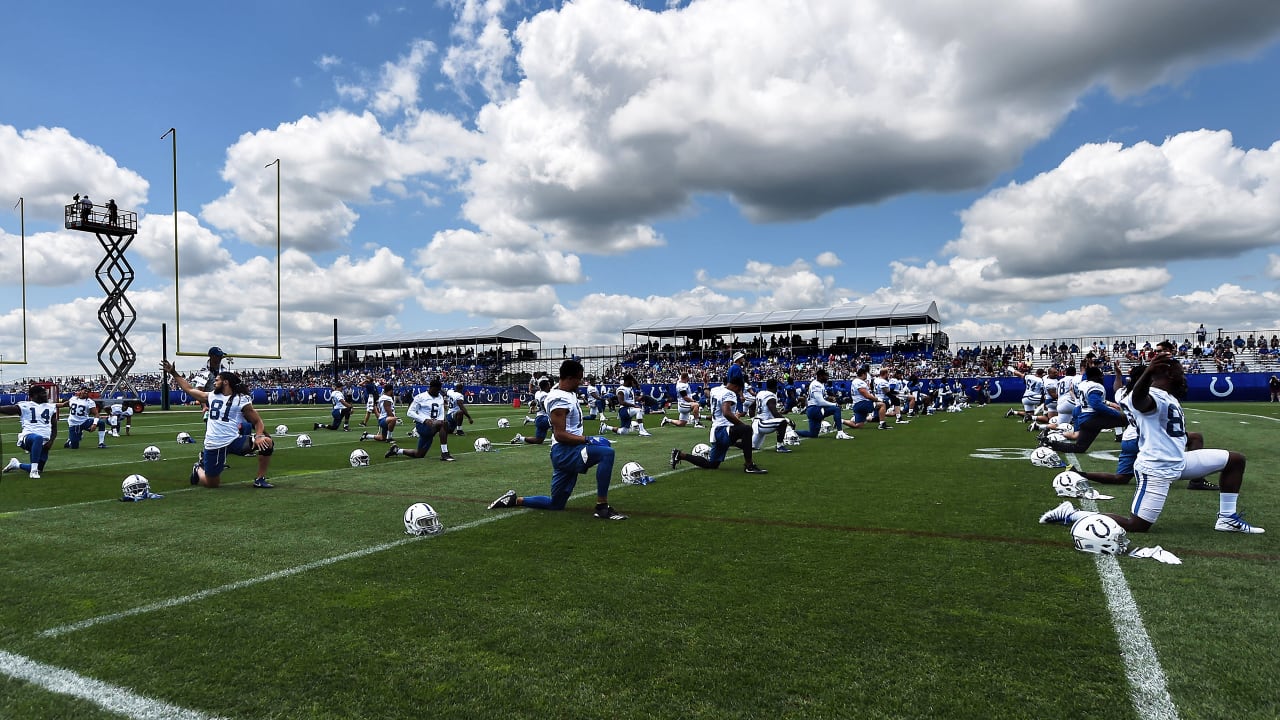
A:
(279, 259)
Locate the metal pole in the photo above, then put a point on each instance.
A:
(164, 355)
(279, 305)
(335, 351)
(177, 313)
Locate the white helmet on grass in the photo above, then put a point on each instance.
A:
(422, 519)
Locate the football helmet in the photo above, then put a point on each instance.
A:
(482, 445)
(304, 441)
(1072, 484)
(151, 452)
(185, 439)
(282, 430)
(1064, 427)
(633, 473)
(702, 450)
(422, 519)
(359, 458)
(825, 427)
(790, 437)
(1099, 534)
(413, 433)
(1046, 457)
(504, 423)
(136, 487)
(1054, 436)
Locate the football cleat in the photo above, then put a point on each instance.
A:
(1010, 413)
(151, 452)
(1202, 484)
(1235, 523)
(518, 439)
(754, 469)
(34, 474)
(1060, 515)
(783, 449)
(606, 512)
(1099, 534)
(842, 435)
(13, 465)
(675, 458)
(508, 499)
(262, 483)
(392, 451)
(422, 519)
(359, 458)
(447, 458)
(194, 478)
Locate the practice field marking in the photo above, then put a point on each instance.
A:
(1147, 686)
(1227, 412)
(287, 572)
(109, 697)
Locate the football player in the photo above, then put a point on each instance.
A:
(458, 409)
(121, 413)
(230, 404)
(371, 393)
(341, 409)
(630, 409)
(686, 405)
(541, 421)
(572, 453)
(817, 407)
(865, 403)
(39, 419)
(386, 407)
(428, 411)
(82, 415)
(769, 418)
(727, 430)
(1095, 414)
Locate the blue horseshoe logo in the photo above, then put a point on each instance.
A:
(1214, 381)
(996, 394)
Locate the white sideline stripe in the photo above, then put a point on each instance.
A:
(1147, 686)
(1226, 412)
(109, 697)
(287, 572)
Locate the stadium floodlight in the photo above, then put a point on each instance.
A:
(177, 307)
(22, 245)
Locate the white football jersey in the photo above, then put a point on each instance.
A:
(386, 406)
(540, 403)
(1162, 436)
(426, 406)
(37, 418)
(719, 396)
(762, 404)
(817, 394)
(559, 399)
(226, 413)
(81, 411)
(338, 400)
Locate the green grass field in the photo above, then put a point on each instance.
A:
(900, 575)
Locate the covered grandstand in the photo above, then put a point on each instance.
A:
(491, 345)
(851, 328)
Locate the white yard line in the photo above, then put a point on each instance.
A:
(109, 697)
(1147, 686)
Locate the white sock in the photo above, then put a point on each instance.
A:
(444, 448)
(1227, 503)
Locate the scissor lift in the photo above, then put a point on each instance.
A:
(115, 230)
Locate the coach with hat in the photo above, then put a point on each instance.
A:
(203, 379)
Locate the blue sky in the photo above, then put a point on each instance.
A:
(1040, 169)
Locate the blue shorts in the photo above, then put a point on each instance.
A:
(719, 444)
(426, 433)
(542, 426)
(215, 461)
(624, 417)
(1128, 453)
(862, 409)
(570, 461)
